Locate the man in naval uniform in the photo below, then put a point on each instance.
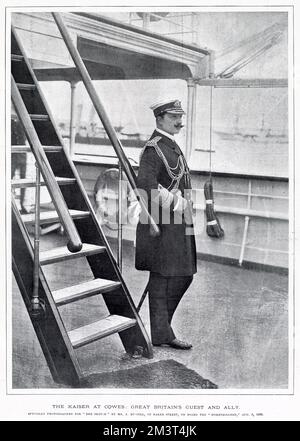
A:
(171, 256)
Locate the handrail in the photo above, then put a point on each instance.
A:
(246, 212)
(239, 193)
(74, 243)
(116, 143)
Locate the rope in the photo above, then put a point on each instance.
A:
(210, 132)
(213, 227)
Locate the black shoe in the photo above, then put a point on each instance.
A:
(178, 344)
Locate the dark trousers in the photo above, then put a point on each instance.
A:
(165, 294)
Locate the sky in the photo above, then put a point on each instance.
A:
(127, 102)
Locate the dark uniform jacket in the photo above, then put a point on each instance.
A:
(173, 252)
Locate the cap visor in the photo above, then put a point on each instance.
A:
(175, 112)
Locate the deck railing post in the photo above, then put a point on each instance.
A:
(73, 85)
(120, 217)
(190, 116)
(37, 304)
(246, 224)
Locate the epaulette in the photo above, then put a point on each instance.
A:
(151, 143)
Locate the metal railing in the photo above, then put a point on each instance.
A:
(248, 212)
(177, 21)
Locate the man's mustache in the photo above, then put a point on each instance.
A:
(179, 126)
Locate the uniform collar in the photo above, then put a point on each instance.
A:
(168, 135)
(168, 141)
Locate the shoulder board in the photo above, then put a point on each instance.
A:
(151, 143)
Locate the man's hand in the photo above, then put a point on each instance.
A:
(180, 203)
(165, 197)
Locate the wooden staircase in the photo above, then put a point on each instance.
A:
(86, 239)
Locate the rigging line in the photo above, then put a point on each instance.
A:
(242, 62)
(262, 36)
(210, 130)
(182, 26)
(259, 51)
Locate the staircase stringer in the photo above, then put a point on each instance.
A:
(49, 327)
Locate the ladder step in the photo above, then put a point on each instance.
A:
(23, 183)
(27, 149)
(15, 57)
(94, 331)
(84, 290)
(62, 253)
(48, 217)
(22, 86)
(38, 117)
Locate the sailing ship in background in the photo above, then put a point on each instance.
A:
(96, 135)
(263, 135)
(92, 133)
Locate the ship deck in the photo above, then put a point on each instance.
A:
(236, 319)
